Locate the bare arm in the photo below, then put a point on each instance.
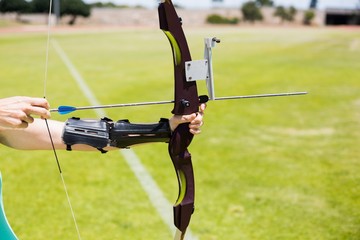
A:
(32, 134)
(34, 137)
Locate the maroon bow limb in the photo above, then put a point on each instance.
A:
(186, 102)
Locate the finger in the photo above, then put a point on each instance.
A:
(38, 106)
(38, 111)
(39, 102)
(196, 125)
(27, 119)
(20, 118)
(202, 108)
(195, 131)
(23, 125)
(198, 119)
(14, 123)
(200, 114)
(186, 118)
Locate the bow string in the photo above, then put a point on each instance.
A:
(48, 126)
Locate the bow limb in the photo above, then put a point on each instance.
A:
(186, 102)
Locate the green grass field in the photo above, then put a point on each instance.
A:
(275, 168)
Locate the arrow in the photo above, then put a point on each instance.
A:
(69, 109)
(202, 99)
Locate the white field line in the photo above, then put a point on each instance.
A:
(156, 196)
(354, 45)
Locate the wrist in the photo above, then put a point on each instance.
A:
(172, 123)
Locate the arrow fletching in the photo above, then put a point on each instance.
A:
(66, 109)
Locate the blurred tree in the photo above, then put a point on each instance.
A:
(40, 6)
(251, 12)
(106, 5)
(291, 12)
(218, 19)
(73, 8)
(285, 14)
(309, 16)
(265, 3)
(15, 6)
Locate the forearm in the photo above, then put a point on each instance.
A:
(34, 137)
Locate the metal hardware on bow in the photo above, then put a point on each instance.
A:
(194, 70)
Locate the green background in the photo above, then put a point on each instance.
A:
(274, 168)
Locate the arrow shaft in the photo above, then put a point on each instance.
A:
(261, 96)
(117, 105)
(172, 101)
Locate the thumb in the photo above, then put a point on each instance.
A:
(187, 118)
(176, 120)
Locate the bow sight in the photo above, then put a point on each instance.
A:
(195, 70)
